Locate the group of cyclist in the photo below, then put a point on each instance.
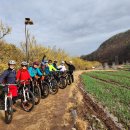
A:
(25, 73)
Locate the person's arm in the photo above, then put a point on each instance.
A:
(39, 72)
(3, 76)
(43, 59)
(59, 67)
(67, 63)
(30, 72)
(54, 68)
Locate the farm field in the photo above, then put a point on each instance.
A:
(120, 78)
(115, 97)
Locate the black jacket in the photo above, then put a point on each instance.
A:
(71, 67)
(9, 76)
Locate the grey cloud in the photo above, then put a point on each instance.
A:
(81, 25)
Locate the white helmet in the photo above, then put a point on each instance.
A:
(24, 63)
(11, 62)
(62, 62)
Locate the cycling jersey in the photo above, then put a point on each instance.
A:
(51, 68)
(23, 74)
(62, 68)
(34, 71)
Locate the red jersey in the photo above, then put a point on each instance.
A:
(22, 74)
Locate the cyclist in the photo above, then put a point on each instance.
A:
(51, 67)
(62, 67)
(71, 69)
(55, 64)
(22, 73)
(45, 68)
(9, 77)
(34, 71)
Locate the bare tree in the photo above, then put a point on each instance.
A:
(4, 30)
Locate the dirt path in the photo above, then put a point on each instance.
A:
(48, 115)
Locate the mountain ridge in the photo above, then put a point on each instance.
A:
(115, 49)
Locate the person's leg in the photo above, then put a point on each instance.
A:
(72, 77)
(14, 102)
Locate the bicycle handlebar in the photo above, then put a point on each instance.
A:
(7, 84)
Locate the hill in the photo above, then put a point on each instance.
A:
(116, 49)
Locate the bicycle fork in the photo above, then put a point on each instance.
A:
(6, 96)
(6, 102)
(24, 94)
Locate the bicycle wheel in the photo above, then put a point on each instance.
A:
(54, 87)
(62, 83)
(44, 90)
(9, 111)
(28, 105)
(37, 94)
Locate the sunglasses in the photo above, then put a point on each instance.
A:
(11, 64)
(24, 65)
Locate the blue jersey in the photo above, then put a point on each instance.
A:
(34, 71)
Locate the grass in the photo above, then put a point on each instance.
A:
(122, 80)
(115, 98)
(116, 73)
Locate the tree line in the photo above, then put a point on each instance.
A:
(36, 51)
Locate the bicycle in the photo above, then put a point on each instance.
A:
(26, 96)
(52, 83)
(35, 89)
(61, 79)
(68, 78)
(45, 90)
(7, 103)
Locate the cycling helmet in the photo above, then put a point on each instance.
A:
(24, 63)
(11, 62)
(46, 61)
(62, 62)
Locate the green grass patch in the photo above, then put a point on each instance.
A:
(124, 81)
(116, 73)
(115, 98)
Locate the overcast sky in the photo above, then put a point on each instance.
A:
(77, 26)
